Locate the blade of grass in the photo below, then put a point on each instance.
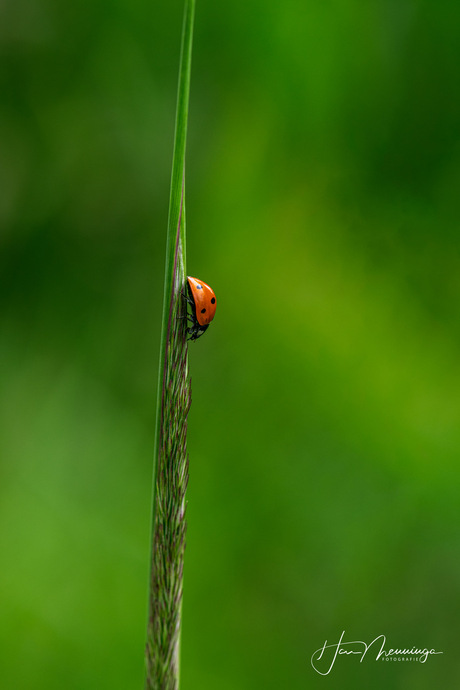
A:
(170, 474)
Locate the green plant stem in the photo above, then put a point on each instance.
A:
(170, 474)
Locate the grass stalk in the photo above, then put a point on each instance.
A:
(170, 475)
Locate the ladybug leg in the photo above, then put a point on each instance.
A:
(192, 332)
(187, 298)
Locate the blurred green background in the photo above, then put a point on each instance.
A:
(322, 206)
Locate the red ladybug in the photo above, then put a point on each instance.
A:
(203, 303)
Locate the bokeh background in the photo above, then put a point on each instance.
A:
(323, 207)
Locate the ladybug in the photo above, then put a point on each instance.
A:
(203, 303)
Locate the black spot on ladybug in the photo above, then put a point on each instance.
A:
(199, 287)
(203, 311)
(213, 300)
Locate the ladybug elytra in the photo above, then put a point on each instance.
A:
(203, 303)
